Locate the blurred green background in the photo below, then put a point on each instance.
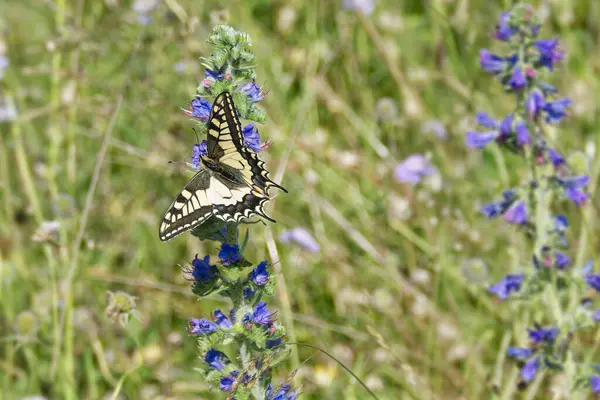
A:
(397, 290)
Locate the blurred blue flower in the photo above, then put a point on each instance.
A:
(535, 103)
(210, 74)
(301, 237)
(435, 127)
(270, 343)
(229, 254)
(593, 280)
(519, 352)
(556, 159)
(201, 326)
(517, 214)
(517, 80)
(504, 30)
(530, 369)
(3, 65)
(522, 133)
(574, 186)
(555, 110)
(596, 315)
(260, 275)
(508, 285)
(227, 382)
(221, 320)
(364, 6)
(248, 292)
(251, 138)
(261, 314)
(549, 52)
(595, 384)
(561, 223)
(252, 90)
(492, 63)
(198, 151)
(199, 108)
(496, 208)
(202, 271)
(561, 260)
(413, 169)
(216, 359)
(284, 393)
(547, 335)
(501, 130)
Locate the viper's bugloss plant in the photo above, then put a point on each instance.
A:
(550, 278)
(239, 346)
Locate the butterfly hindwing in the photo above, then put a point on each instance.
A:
(191, 207)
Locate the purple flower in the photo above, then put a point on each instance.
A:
(530, 369)
(517, 214)
(364, 6)
(593, 281)
(501, 130)
(492, 63)
(284, 393)
(535, 103)
(504, 30)
(199, 108)
(519, 352)
(251, 138)
(253, 91)
(261, 314)
(413, 169)
(508, 285)
(578, 197)
(301, 237)
(214, 75)
(216, 359)
(201, 326)
(517, 80)
(479, 140)
(522, 133)
(485, 120)
(596, 315)
(574, 188)
(227, 382)
(259, 275)
(561, 260)
(222, 320)
(202, 271)
(198, 151)
(595, 384)
(496, 208)
(248, 292)
(547, 335)
(229, 254)
(549, 52)
(556, 159)
(555, 110)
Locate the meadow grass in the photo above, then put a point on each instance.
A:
(397, 291)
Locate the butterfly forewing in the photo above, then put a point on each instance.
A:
(224, 128)
(191, 207)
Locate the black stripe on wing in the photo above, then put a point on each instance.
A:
(249, 206)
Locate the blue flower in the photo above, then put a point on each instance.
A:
(201, 326)
(496, 208)
(284, 393)
(270, 343)
(561, 260)
(210, 74)
(596, 315)
(574, 186)
(222, 320)
(248, 292)
(202, 271)
(413, 169)
(252, 90)
(500, 131)
(517, 214)
(530, 369)
(593, 281)
(519, 352)
(504, 29)
(251, 138)
(535, 103)
(547, 335)
(301, 237)
(198, 151)
(260, 275)
(555, 110)
(216, 359)
(561, 223)
(227, 382)
(556, 159)
(595, 384)
(517, 80)
(4, 62)
(261, 314)
(508, 285)
(492, 63)
(549, 52)
(199, 108)
(229, 254)
(522, 133)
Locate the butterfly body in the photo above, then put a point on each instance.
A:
(232, 183)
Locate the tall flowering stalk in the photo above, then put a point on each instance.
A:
(238, 346)
(550, 278)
